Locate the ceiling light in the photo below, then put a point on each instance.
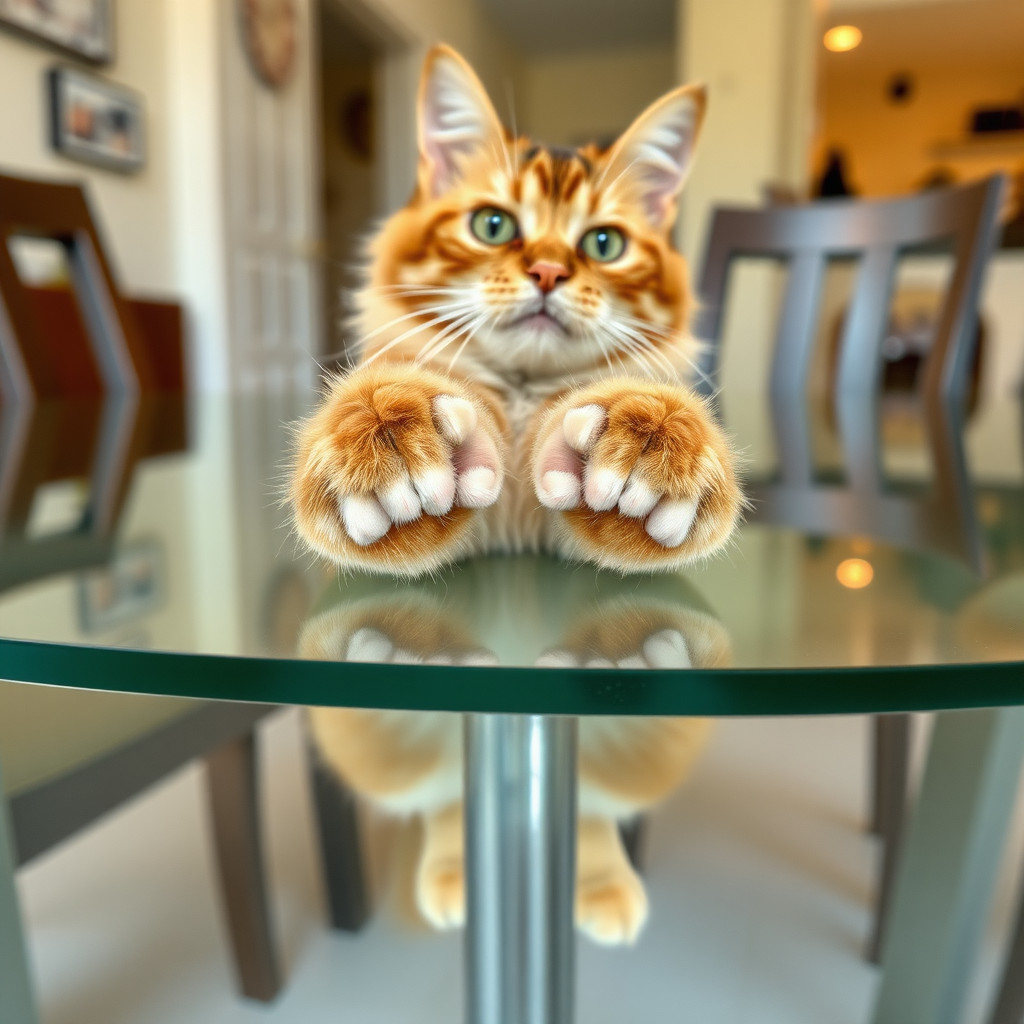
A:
(854, 573)
(843, 38)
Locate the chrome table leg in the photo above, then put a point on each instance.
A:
(520, 869)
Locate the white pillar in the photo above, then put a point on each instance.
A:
(757, 59)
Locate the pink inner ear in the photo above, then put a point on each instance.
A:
(658, 154)
(454, 122)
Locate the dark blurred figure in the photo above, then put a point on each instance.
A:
(834, 181)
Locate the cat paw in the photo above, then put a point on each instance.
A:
(372, 645)
(441, 893)
(391, 469)
(666, 648)
(641, 472)
(611, 910)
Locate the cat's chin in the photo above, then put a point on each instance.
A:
(540, 323)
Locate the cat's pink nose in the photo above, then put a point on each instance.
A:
(547, 275)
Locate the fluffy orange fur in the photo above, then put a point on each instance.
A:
(521, 385)
(525, 391)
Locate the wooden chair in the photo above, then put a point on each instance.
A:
(878, 233)
(36, 362)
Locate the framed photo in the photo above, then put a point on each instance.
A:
(96, 121)
(82, 27)
(131, 587)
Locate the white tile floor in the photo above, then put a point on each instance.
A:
(759, 874)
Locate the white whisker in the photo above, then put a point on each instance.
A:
(438, 342)
(474, 327)
(450, 307)
(415, 330)
(637, 343)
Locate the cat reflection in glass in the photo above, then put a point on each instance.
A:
(409, 763)
(521, 382)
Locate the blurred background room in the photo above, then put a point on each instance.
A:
(235, 155)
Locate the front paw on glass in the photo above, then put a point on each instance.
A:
(641, 471)
(391, 469)
(419, 476)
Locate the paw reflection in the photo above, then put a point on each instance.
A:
(665, 649)
(372, 645)
(519, 611)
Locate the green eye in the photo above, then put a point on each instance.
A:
(493, 226)
(603, 244)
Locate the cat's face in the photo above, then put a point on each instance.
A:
(533, 261)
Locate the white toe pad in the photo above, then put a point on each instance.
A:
(670, 522)
(364, 518)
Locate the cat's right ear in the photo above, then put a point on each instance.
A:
(456, 120)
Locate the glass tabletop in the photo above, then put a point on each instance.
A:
(146, 548)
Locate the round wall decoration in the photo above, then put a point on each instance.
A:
(270, 29)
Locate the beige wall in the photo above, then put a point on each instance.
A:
(403, 31)
(757, 58)
(575, 98)
(892, 148)
(961, 55)
(135, 210)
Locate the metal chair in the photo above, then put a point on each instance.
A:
(70, 757)
(807, 237)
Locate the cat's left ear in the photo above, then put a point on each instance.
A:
(652, 159)
(456, 120)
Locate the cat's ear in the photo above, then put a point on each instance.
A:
(652, 159)
(456, 120)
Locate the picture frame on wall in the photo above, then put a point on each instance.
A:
(96, 121)
(131, 587)
(84, 28)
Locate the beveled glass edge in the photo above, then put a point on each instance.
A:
(511, 690)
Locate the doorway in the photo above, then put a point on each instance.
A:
(349, 155)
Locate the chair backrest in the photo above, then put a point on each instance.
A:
(877, 231)
(28, 359)
(963, 219)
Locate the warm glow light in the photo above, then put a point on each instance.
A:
(855, 573)
(843, 38)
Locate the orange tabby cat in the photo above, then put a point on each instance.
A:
(524, 343)
(524, 348)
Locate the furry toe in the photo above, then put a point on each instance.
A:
(478, 487)
(613, 911)
(401, 502)
(559, 490)
(368, 644)
(638, 499)
(364, 518)
(583, 426)
(441, 894)
(667, 649)
(436, 490)
(670, 522)
(602, 488)
(455, 416)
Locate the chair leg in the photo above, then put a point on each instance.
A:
(232, 785)
(892, 770)
(634, 839)
(953, 844)
(1009, 1006)
(341, 854)
(17, 1005)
